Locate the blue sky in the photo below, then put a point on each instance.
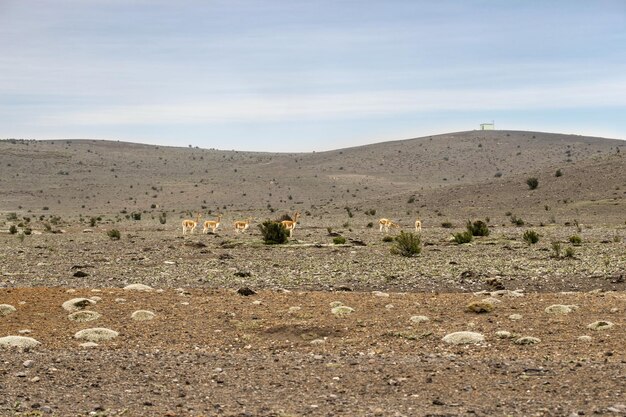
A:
(295, 75)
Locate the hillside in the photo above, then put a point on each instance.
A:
(475, 173)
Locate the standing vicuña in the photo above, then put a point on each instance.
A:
(212, 224)
(190, 224)
(291, 224)
(241, 225)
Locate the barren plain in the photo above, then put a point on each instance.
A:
(325, 329)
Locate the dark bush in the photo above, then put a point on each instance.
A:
(388, 239)
(575, 240)
(463, 237)
(273, 233)
(114, 234)
(13, 229)
(558, 173)
(136, 216)
(478, 228)
(163, 217)
(339, 240)
(531, 237)
(532, 182)
(447, 225)
(407, 244)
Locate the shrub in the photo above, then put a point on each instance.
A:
(532, 182)
(569, 252)
(575, 240)
(463, 237)
(556, 248)
(339, 240)
(408, 244)
(478, 228)
(411, 200)
(558, 173)
(11, 216)
(370, 225)
(273, 233)
(93, 221)
(531, 237)
(447, 225)
(13, 229)
(388, 239)
(136, 216)
(516, 220)
(114, 234)
(27, 231)
(163, 217)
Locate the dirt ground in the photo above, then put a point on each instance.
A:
(330, 329)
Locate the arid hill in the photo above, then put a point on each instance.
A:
(475, 173)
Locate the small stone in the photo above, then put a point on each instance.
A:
(35, 379)
(380, 294)
(503, 334)
(419, 319)
(257, 302)
(138, 287)
(6, 309)
(96, 298)
(245, 291)
(84, 316)
(527, 340)
(515, 317)
(334, 304)
(18, 341)
(76, 304)
(295, 309)
(600, 325)
(143, 315)
(80, 274)
(558, 309)
(25, 331)
(460, 338)
(28, 363)
(96, 334)
(88, 345)
(341, 311)
(318, 341)
(585, 338)
(480, 307)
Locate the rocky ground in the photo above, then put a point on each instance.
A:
(281, 351)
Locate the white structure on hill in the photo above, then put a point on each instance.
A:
(487, 126)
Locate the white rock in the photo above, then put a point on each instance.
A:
(6, 309)
(515, 317)
(18, 341)
(461, 338)
(96, 298)
(336, 304)
(88, 345)
(503, 334)
(419, 319)
(527, 340)
(138, 287)
(294, 309)
(84, 316)
(600, 325)
(342, 310)
(76, 304)
(142, 315)
(96, 334)
(380, 294)
(585, 338)
(558, 309)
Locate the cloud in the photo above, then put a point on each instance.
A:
(277, 108)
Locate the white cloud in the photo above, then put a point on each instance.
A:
(273, 108)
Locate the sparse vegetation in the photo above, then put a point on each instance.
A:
(575, 240)
(407, 244)
(447, 225)
(532, 183)
(339, 240)
(274, 233)
(463, 237)
(387, 239)
(531, 237)
(13, 229)
(114, 234)
(477, 228)
(556, 249)
(569, 252)
(516, 220)
(558, 173)
(163, 217)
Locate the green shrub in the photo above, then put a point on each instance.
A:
(13, 229)
(136, 216)
(407, 244)
(569, 252)
(163, 217)
(388, 239)
(463, 237)
(478, 228)
(531, 237)
(339, 240)
(516, 220)
(114, 234)
(575, 240)
(558, 173)
(447, 225)
(556, 248)
(532, 183)
(93, 221)
(273, 233)
(27, 231)
(12, 216)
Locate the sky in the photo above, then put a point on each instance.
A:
(308, 75)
